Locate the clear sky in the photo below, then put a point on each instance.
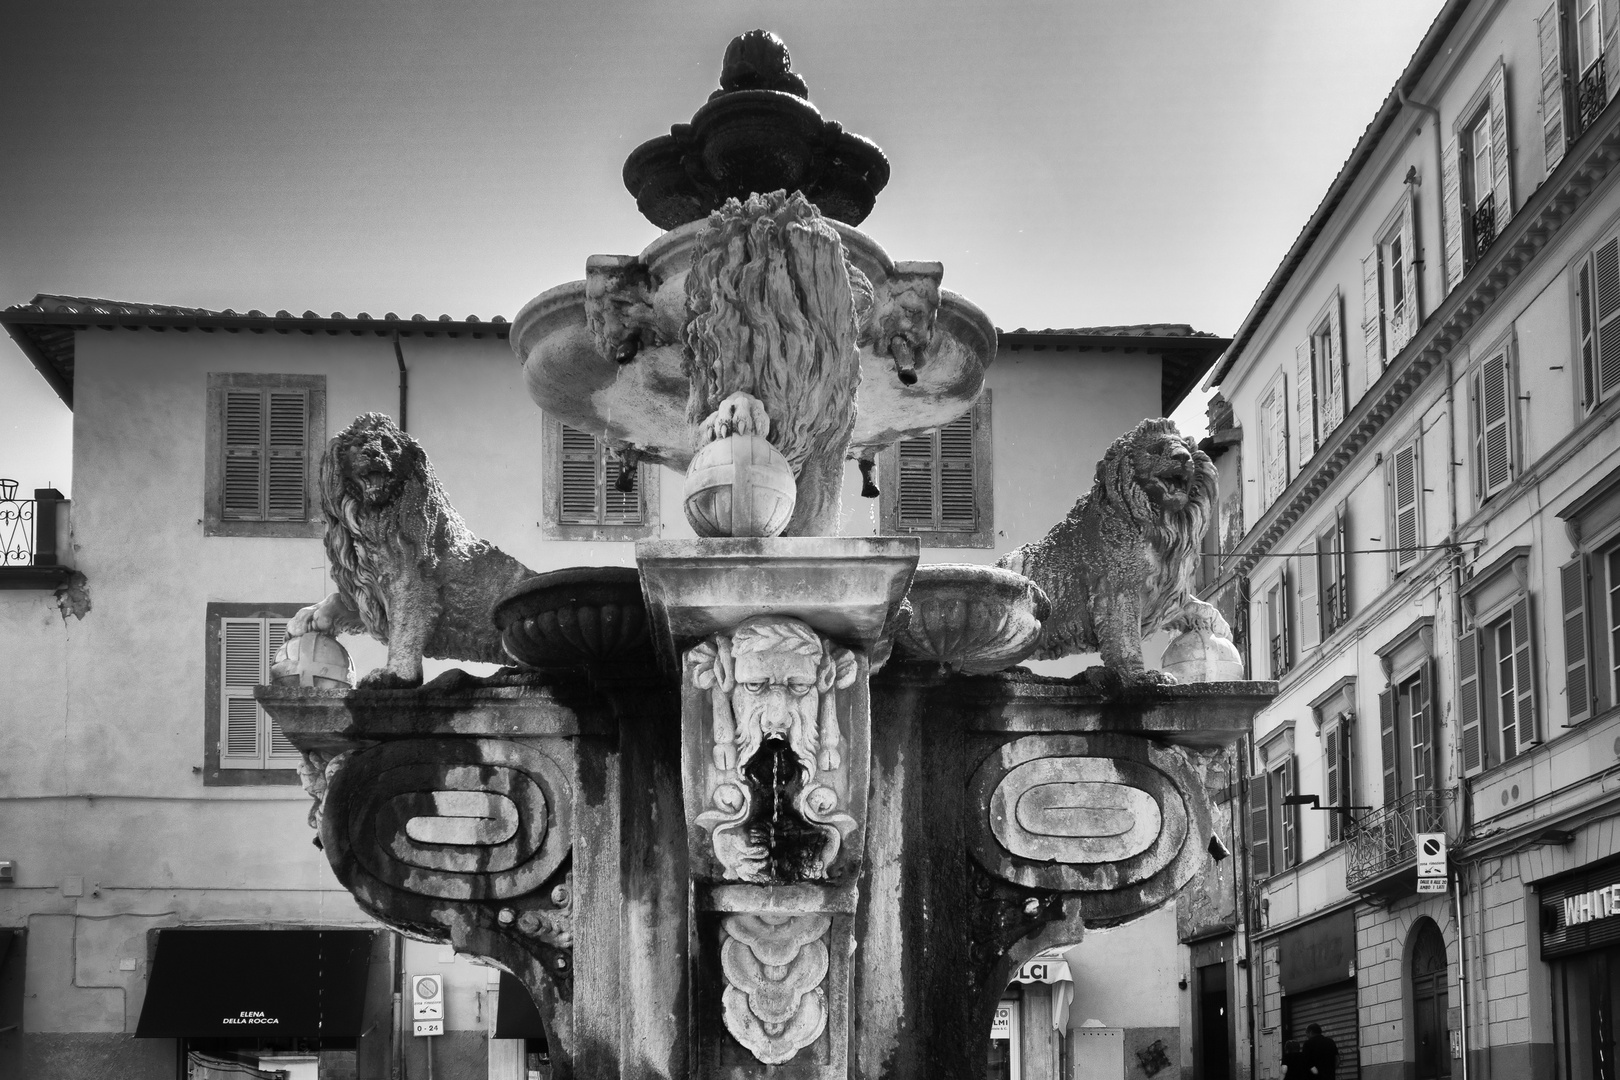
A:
(1072, 163)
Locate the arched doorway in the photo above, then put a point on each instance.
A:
(1431, 1040)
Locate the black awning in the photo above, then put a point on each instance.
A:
(515, 1014)
(254, 983)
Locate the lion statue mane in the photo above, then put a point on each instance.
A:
(408, 570)
(1120, 565)
(774, 312)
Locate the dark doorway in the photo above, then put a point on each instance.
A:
(1214, 1051)
(1432, 1040)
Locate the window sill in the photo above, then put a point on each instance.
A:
(299, 530)
(287, 777)
(929, 538)
(600, 533)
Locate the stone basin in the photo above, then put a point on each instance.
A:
(973, 619)
(579, 616)
(643, 403)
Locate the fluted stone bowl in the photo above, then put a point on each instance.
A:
(974, 619)
(583, 615)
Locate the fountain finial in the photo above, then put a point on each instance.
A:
(758, 60)
(757, 134)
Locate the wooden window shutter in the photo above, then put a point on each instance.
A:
(1451, 213)
(581, 478)
(1404, 501)
(242, 667)
(1304, 404)
(1493, 439)
(1391, 747)
(1422, 733)
(1309, 594)
(1274, 428)
(1341, 558)
(1606, 312)
(1290, 814)
(1524, 677)
(287, 452)
(1284, 616)
(244, 464)
(1610, 20)
(279, 750)
(1572, 580)
(1259, 825)
(1587, 304)
(1332, 388)
(1372, 313)
(1335, 789)
(1549, 30)
(1411, 315)
(1468, 703)
(958, 510)
(1501, 172)
(917, 508)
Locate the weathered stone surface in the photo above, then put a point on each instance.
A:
(975, 619)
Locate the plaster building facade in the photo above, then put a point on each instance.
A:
(146, 798)
(1422, 406)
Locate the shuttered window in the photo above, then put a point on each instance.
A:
(1491, 390)
(248, 737)
(266, 461)
(1389, 744)
(589, 491)
(1285, 818)
(1337, 754)
(937, 484)
(1259, 825)
(1405, 529)
(1273, 442)
(1509, 722)
(1549, 34)
(1598, 282)
(1572, 587)
(1333, 573)
(580, 490)
(1279, 639)
(265, 434)
(1470, 720)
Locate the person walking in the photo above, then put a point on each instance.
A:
(1321, 1054)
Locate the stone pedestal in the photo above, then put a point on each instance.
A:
(738, 840)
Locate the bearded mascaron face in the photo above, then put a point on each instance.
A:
(1168, 473)
(371, 465)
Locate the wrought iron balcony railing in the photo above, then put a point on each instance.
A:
(1484, 222)
(1385, 841)
(1279, 656)
(32, 531)
(1591, 95)
(1334, 608)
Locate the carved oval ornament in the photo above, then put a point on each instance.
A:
(463, 819)
(1086, 814)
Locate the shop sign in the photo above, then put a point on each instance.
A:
(1001, 1026)
(249, 1018)
(1583, 907)
(1044, 969)
(1320, 953)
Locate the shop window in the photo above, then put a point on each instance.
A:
(1492, 423)
(265, 435)
(937, 486)
(1497, 709)
(1476, 179)
(589, 491)
(1579, 926)
(241, 743)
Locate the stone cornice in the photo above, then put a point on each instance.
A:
(1588, 162)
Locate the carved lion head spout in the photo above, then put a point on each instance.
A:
(773, 311)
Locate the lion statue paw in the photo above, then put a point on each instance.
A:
(738, 414)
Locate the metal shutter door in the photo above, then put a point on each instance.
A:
(1335, 1009)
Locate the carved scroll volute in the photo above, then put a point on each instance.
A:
(775, 744)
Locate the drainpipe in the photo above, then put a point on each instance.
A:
(404, 380)
(1440, 165)
(1247, 915)
(1462, 964)
(398, 1053)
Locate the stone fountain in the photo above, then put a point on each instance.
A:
(774, 801)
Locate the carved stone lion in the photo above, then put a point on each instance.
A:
(1120, 565)
(774, 311)
(408, 570)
